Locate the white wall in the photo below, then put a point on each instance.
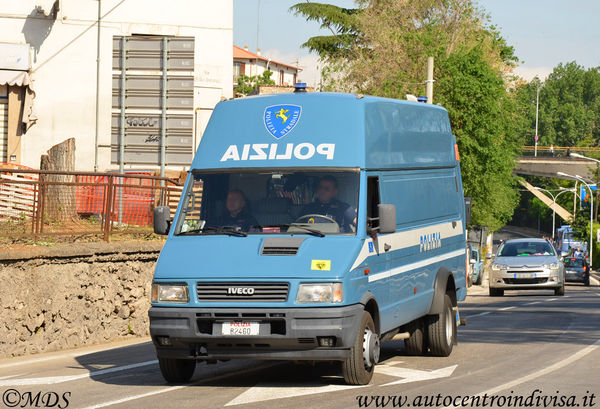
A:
(64, 64)
(260, 66)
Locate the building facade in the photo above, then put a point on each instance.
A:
(251, 64)
(163, 66)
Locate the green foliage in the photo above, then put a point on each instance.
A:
(343, 24)
(247, 84)
(581, 226)
(384, 48)
(569, 111)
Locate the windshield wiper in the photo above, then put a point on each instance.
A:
(310, 231)
(217, 230)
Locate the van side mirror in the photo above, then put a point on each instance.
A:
(489, 256)
(387, 218)
(162, 219)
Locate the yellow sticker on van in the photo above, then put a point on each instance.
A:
(323, 265)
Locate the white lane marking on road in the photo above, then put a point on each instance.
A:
(143, 395)
(270, 391)
(593, 280)
(69, 355)
(174, 388)
(9, 376)
(557, 365)
(51, 380)
(414, 375)
(507, 308)
(533, 303)
(552, 299)
(479, 315)
(549, 369)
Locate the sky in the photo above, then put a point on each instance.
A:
(543, 32)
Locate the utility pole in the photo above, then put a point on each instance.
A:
(97, 89)
(537, 103)
(429, 80)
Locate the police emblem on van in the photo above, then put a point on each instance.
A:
(281, 119)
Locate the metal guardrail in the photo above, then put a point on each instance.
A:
(558, 150)
(36, 203)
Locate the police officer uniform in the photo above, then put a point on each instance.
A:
(339, 211)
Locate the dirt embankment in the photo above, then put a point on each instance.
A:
(74, 295)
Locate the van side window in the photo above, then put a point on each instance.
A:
(373, 200)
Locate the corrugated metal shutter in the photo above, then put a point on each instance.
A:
(141, 119)
(3, 129)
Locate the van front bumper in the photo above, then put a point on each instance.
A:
(284, 333)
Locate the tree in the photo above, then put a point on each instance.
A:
(384, 53)
(569, 112)
(247, 84)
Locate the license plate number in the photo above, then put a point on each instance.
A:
(525, 275)
(240, 328)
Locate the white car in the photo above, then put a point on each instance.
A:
(526, 264)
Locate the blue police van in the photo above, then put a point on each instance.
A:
(313, 226)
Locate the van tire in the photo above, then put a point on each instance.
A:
(441, 330)
(176, 370)
(560, 290)
(354, 368)
(415, 343)
(496, 292)
(587, 282)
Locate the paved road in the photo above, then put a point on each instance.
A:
(511, 346)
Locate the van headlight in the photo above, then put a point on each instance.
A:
(498, 267)
(170, 292)
(551, 266)
(320, 293)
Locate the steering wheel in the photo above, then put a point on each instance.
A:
(314, 218)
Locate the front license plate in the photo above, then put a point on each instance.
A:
(240, 328)
(525, 275)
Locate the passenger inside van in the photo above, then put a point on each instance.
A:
(237, 214)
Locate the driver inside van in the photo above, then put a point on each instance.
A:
(237, 213)
(327, 204)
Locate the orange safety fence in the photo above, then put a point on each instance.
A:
(133, 198)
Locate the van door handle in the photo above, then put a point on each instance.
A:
(387, 247)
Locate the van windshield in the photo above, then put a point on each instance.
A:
(270, 202)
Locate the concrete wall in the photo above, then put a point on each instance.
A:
(74, 295)
(64, 63)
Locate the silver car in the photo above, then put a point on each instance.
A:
(526, 264)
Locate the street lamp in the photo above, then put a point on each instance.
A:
(591, 208)
(576, 155)
(553, 205)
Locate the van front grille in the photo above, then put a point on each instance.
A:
(253, 292)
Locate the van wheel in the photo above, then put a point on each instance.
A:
(587, 282)
(496, 292)
(415, 344)
(176, 370)
(441, 330)
(358, 368)
(560, 290)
